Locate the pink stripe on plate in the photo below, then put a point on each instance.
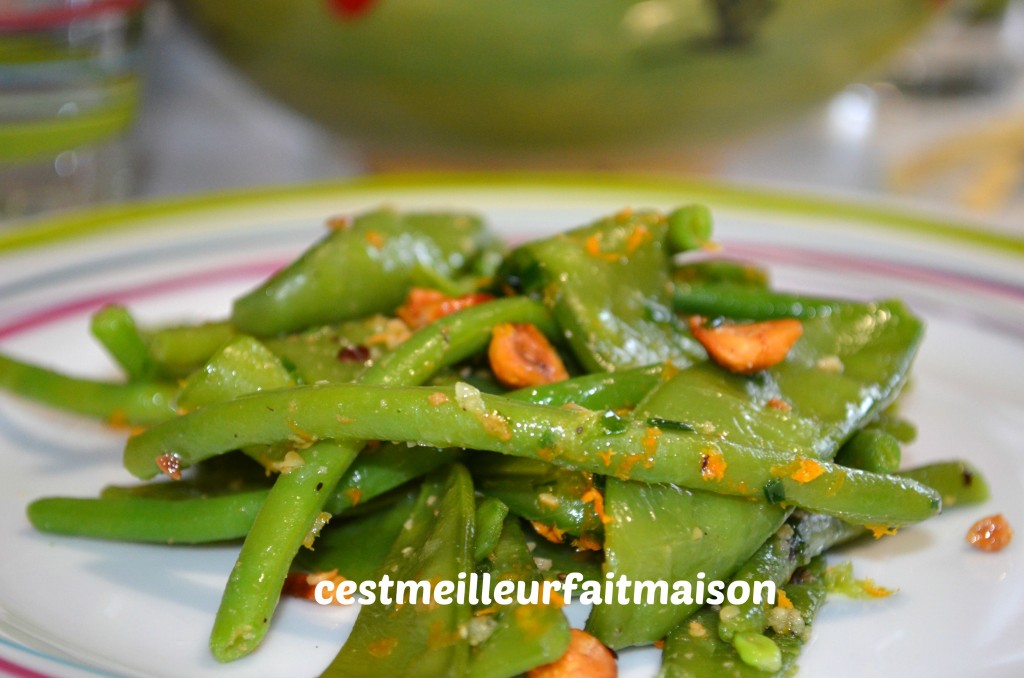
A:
(12, 669)
(830, 261)
(260, 269)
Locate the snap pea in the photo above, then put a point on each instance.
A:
(134, 402)
(114, 327)
(957, 482)
(803, 537)
(807, 535)
(521, 637)
(818, 408)
(608, 287)
(240, 367)
(694, 649)
(490, 517)
(337, 352)
(362, 269)
(435, 544)
(357, 547)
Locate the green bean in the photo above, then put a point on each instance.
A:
(180, 350)
(871, 450)
(137, 402)
(577, 439)
(896, 426)
(144, 519)
(252, 591)
(115, 329)
(720, 271)
(539, 491)
(689, 228)
(604, 390)
(750, 303)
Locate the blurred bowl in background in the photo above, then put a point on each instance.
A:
(542, 78)
(69, 93)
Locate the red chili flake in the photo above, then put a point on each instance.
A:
(170, 464)
(349, 9)
(354, 354)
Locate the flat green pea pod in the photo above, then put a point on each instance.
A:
(338, 352)
(414, 639)
(134, 402)
(362, 268)
(695, 649)
(817, 407)
(804, 536)
(957, 482)
(373, 533)
(242, 366)
(515, 638)
(608, 286)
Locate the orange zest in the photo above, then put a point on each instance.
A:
(807, 470)
(170, 464)
(521, 356)
(594, 496)
(549, 532)
(746, 348)
(879, 531)
(712, 465)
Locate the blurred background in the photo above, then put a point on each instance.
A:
(915, 101)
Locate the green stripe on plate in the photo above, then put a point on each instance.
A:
(110, 218)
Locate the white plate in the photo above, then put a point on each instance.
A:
(74, 607)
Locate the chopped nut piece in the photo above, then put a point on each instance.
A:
(747, 348)
(521, 356)
(586, 656)
(424, 306)
(991, 533)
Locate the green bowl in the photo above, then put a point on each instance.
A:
(510, 76)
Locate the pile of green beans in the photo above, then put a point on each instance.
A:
(312, 403)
